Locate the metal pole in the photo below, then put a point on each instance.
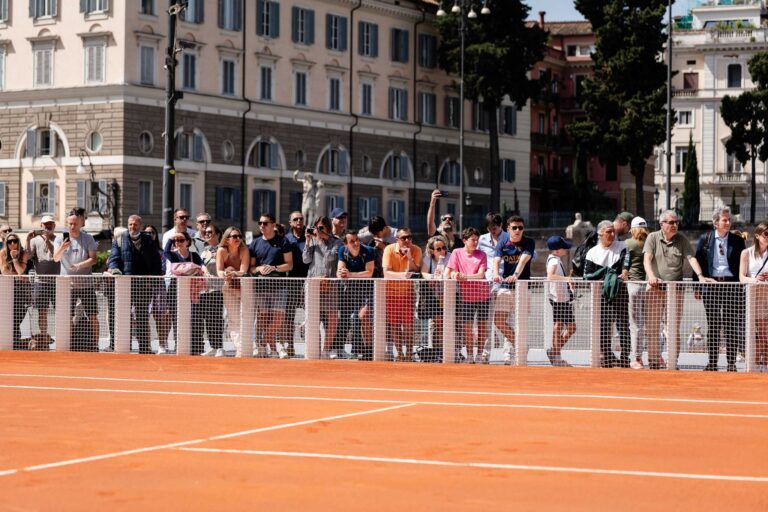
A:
(669, 109)
(462, 29)
(171, 96)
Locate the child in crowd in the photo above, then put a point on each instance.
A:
(561, 298)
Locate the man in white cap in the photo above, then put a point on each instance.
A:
(636, 287)
(41, 256)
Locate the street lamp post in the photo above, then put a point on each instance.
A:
(669, 108)
(656, 206)
(460, 8)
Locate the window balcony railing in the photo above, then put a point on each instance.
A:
(43, 205)
(685, 93)
(732, 178)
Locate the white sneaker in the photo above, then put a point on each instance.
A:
(209, 352)
(282, 354)
(508, 358)
(486, 357)
(161, 351)
(255, 351)
(637, 364)
(107, 349)
(219, 352)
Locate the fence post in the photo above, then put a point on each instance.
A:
(749, 327)
(595, 293)
(6, 312)
(672, 322)
(122, 309)
(450, 289)
(380, 320)
(522, 304)
(183, 316)
(312, 335)
(247, 314)
(63, 313)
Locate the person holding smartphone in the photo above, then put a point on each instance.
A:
(754, 270)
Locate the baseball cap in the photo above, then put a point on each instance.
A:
(46, 219)
(557, 242)
(337, 212)
(626, 217)
(638, 222)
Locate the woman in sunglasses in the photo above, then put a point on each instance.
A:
(232, 260)
(179, 253)
(13, 262)
(753, 269)
(430, 306)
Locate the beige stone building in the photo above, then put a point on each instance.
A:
(349, 91)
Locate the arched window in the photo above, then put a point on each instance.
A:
(450, 173)
(265, 154)
(334, 160)
(190, 145)
(396, 166)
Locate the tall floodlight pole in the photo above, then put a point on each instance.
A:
(669, 110)
(171, 97)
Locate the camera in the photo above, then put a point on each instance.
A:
(311, 231)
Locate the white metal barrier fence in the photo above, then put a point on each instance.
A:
(678, 325)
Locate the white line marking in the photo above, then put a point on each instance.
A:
(198, 441)
(484, 465)
(377, 401)
(398, 390)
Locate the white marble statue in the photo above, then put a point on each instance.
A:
(578, 229)
(311, 198)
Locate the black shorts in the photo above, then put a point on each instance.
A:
(562, 312)
(466, 310)
(87, 298)
(44, 294)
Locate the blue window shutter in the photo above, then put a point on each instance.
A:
(360, 38)
(273, 156)
(272, 200)
(404, 173)
(104, 186)
(342, 34)
(31, 150)
(220, 203)
(309, 26)
(3, 195)
(198, 154)
(51, 197)
(200, 11)
(256, 204)
(295, 24)
(360, 207)
(238, 14)
(403, 46)
(390, 103)
(221, 13)
(84, 5)
(80, 199)
(329, 31)
(342, 162)
(55, 8)
(393, 43)
(30, 198)
(260, 17)
(404, 105)
(32, 12)
(236, 199)
(373, 206)
(374, 40)
(257, 159)
(274, 20)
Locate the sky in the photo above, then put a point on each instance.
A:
(563, 10)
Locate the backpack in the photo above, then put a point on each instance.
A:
(580, 254)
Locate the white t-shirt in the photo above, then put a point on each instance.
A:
(606, 256)
(558, 290)
(76, 253)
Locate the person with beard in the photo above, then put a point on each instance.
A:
(447, 227)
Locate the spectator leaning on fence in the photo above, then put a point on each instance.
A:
(431, 289)
(400, 261)
(622, 225)
(211, 299)
(605, 262)
(753, 269)
(377, 235)
(13, 262)
(180, 252)
(356, 297)
(494, 225)
(180, 220)
(232, 262)
(511, 262)
(339, 221)
(76, 251)
(718, 254)
(664, 255)
(135, 254)
(45, 267)
(560, 298)
(5, 229)
(636, 288)
(296, 236)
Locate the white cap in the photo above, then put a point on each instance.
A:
(46, 219)
(638, 222)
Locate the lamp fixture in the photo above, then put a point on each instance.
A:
(81, 169)
(456, 9)
(471, 14)
(485, 9)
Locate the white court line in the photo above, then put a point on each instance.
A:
(378, 401)
(198, 441)
(399, 390)
(484, 465)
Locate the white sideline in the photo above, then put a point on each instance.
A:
(485, 465)
(379, 401)
(197, 441)
(399, 390)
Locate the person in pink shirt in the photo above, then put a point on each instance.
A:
(468, 265)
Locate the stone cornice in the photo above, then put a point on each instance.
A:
(94, 35)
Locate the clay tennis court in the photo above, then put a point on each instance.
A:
(127, 432)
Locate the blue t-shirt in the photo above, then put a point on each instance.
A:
(510, 254)
(356, 263)
(269, 252)
(300, 269)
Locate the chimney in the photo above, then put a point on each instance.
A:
(541, 19)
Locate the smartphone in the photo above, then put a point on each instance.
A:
(65, 236)
(311, 231)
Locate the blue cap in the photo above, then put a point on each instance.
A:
(557, 242)
(337, 212)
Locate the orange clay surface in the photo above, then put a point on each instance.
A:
(113, 432)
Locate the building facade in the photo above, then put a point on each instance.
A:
(710, 50)
(349, 91)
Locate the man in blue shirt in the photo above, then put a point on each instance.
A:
(296, 236)
(512, 261)
(356, 261)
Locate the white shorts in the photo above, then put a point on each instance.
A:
(504, 301)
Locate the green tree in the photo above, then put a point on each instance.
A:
(500, 50)
(625, 99)
(747, 115)
(691, 193)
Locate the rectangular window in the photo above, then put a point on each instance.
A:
(145, 197)
(189, 146)
(43, 65)
(542, 123)
(189, 66)
(41, 197)
(228, 77)
(185, 196)
(541, 165)
(230, 14)
(427, 51)
(147, 7)
(264, 201)
(46, 143)
(480, 117)
(366, 99)
(265, 155)
(427, 106)
(300, 88)
(91, 195)
(398, 104)
(333, 201)
(93, 6)
(336, 32)
(335, 161)
(94, 61)
(732, 164)
(452, 107)
(147, 65)
(681, 157)
(397, 167)
(508, 170)
(265, 92)
(399, 45)
(368, 39)
(367, 207)
(43, 8)
(397, 212)
(268, 19)
(302, 26)
(194, 13)
(685, 117)
(334, 94)
(509, 120)
(579, 85)
(734, 76)
(691, 81)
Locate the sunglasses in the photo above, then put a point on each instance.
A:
(298, 219)
(179, 240)
(446, 218)
(183, 217)
(7, 230)
(516, 228)
(207, 221)
(13, 241)
(209, 233)
(671, 222)
(236, 237)
(151, 233)
(320, 228)
(722, 249)
(441, 249)
(406, 237)
(264, 223)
